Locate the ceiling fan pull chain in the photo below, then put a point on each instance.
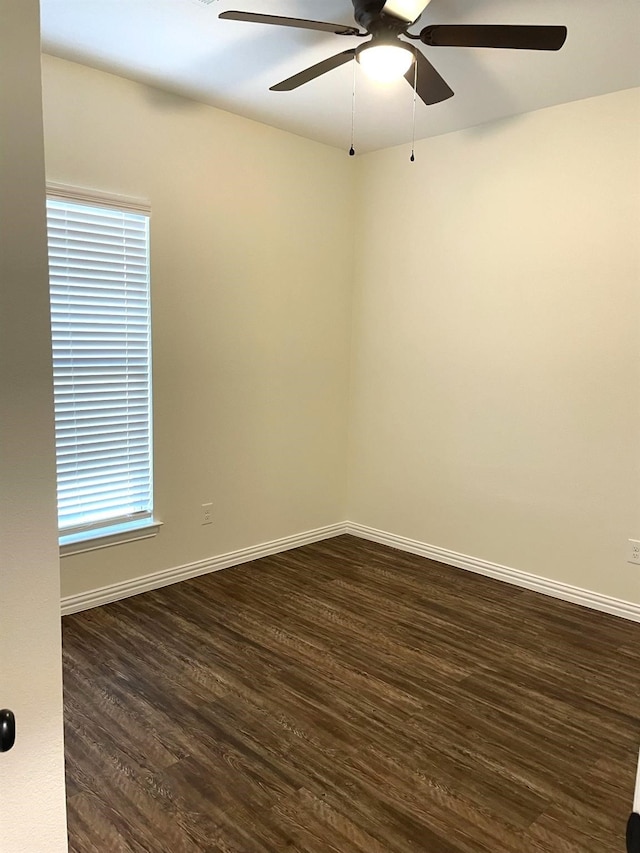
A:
(352, 150)
(415, 95)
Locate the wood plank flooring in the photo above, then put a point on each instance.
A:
(349, 698)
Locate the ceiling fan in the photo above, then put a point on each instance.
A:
(386, 56)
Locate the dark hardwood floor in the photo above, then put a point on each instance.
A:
(344, 698)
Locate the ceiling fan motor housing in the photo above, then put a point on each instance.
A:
(369, 14)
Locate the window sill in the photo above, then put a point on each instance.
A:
(105, 537)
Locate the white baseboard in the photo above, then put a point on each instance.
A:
(155, 580)
(556, 589)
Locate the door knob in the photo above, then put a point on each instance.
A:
(7, 730)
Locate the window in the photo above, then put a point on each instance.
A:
(100, 322)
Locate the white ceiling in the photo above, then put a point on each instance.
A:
(181, 46)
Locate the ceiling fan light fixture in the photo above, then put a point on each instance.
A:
(386, 62)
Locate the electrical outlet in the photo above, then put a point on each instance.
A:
(206, 513)
(634, 551)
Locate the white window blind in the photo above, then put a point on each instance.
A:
(100, 320)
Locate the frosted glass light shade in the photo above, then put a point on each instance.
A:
(385, 62)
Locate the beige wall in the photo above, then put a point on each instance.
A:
(251, 264)
(495, 366)
(32, 773)
(496, 357)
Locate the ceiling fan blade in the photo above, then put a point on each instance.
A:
(314, 71)
(514, 36)
(431, 87)
(300, 23)
(406, 10)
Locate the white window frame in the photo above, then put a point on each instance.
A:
(144, 525)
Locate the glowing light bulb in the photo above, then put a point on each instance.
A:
(385, 62)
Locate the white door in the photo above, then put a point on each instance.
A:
(32, 772)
